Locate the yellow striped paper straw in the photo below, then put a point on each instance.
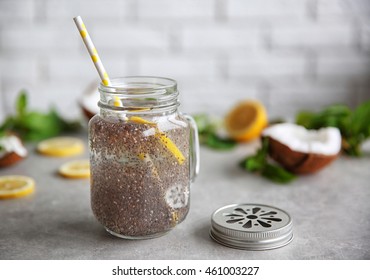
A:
(94, 55)
(166, 142)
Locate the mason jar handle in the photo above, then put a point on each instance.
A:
(194, 148)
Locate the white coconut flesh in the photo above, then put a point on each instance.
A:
(12, 144)
(324, 141)
(90, 102)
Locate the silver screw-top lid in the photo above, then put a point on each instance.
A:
(251, 227)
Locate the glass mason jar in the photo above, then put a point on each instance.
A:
(144, 155)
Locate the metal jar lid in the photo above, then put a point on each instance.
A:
(251, 227)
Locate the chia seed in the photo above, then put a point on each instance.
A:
(138, 187)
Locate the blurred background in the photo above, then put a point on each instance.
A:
(290, 54)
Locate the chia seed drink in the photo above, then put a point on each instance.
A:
(143, 158)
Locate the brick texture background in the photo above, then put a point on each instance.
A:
(290, 54)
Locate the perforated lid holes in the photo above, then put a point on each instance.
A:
(251, 227)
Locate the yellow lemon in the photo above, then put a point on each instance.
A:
(246, 120)
(140, 120)
(75, 169)
(170, 146)
(14, 186)
(163, 139)
(61, 146)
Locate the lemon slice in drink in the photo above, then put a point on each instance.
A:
(15, 186)
(61, 146)
(75, 169)
(170, 146)
(140, 120)
(246, 120)
(163, 139)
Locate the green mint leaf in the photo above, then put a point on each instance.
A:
(202, 121)
(215, 142)
(253, 164)
(277, 174)
(335, 116)
(357, 130)
(305, 118)
(65, 125)
(2, 134)
(257, 162)
(33, 125)
(21, 103)
(38, 126)
(205, 124)
(354, 126)
(207, 130)
(360, 120)
(339, 110)
(8, 124)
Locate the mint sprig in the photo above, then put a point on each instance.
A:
(260, 164)
(354, 125)
(33, 125)
(207, 130)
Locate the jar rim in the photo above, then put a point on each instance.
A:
(139, 93)
(141, 84)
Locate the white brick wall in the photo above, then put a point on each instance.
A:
(163, 10)
(267, 65)
(304, 96)
(221, 37)
(16, 11)
(350, 66)
(264, 9)
(130, 37)
(291, 54)
(25, 40)
(345, 8)
(314, 35)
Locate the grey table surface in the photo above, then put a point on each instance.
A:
(330, 210)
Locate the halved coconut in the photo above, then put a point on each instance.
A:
(300, 150)
(89, 101)
(11, 150)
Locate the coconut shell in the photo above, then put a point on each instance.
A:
(90, 91)
(10, 159)
(88, 114)
(298, 162)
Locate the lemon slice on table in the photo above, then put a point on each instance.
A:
(14, 186)
(61, 146)
(75, 169)
(246, 120)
